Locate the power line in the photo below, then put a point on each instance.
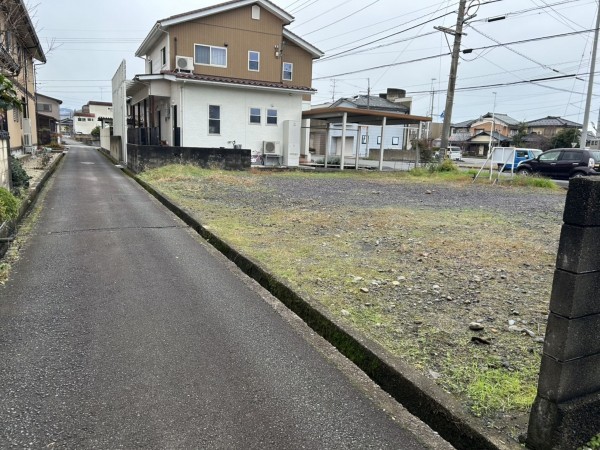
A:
(385, 37)
(469, 50)
(343, 18)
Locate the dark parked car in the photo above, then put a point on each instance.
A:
(563, 163)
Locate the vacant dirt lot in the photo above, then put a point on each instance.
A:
(452, 277)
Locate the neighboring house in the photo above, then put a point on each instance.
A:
(470, 135)
(365, 137)
(93, 114)
(479, 144)
(502, 123)
(19, 48)
(66, 126)
(225, 75)
(48, 117)
(549, 126)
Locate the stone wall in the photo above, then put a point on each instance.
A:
(143, 157)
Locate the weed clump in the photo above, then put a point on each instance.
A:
(9, 205)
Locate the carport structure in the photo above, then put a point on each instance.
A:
(362, 117)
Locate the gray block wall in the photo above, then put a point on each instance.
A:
(566, 412)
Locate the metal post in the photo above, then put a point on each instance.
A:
(588, 102)
(492, 134)
(383, 123)
(344, 121)
(452, 78)
(327, 143)
(358, 144)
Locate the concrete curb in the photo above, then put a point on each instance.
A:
(8, 227)
(419, 395)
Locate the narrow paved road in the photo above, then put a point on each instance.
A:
(118, 329)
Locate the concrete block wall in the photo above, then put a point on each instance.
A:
(566, 412)
(143, 157)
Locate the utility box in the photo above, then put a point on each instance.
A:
(291, 142)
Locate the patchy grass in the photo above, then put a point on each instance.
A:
(409, 278)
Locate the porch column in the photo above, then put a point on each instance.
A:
(383, 123)
(358, 144)
(327, 143)
(344, 120)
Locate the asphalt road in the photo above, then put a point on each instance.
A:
(119, 329)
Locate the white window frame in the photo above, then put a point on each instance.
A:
(250, 115)
(250, 52)
(276, 117)
(219, 119)
(291, 71)
(210, 47)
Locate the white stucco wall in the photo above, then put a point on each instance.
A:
(374, 132)
(85, 125)
(235, 106)
(101, 110)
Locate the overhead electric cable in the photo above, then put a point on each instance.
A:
(343, 18)
(385, 37)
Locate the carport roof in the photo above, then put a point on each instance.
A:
(363, 116)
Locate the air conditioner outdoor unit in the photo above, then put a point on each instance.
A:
(27, 140)
(271, 147)
(184, 63)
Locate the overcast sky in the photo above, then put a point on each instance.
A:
(90, 39)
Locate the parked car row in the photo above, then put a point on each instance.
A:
(562, 163)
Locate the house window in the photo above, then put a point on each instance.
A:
(288, 70)
(150, 66)
(210, 56)
(253, 61)
(255, 116)
(44, 107)
(271, 117)
(256, 12)
(214, 119)
(395, 140)
(378, 140)
(163, 56)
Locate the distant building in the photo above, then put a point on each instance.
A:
(94, 114)
(48, 117)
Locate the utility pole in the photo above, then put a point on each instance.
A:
(333, 91)
(431, 110)
(588, 102)
(453, 70)
(368, 93)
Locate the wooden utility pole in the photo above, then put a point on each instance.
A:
(453, 70)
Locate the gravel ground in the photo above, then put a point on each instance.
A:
(452, 277)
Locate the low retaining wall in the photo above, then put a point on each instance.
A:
(8, 228)
(143, 157)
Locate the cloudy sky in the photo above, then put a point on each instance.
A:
(86, 42)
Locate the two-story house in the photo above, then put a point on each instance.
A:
(19, 47)
(230, 74)
(473, 136)
(48, 117)
(549, 126)
(92, 115)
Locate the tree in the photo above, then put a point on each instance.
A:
(565, 138)
(96, 132)
(9, 98)
(517, 140)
